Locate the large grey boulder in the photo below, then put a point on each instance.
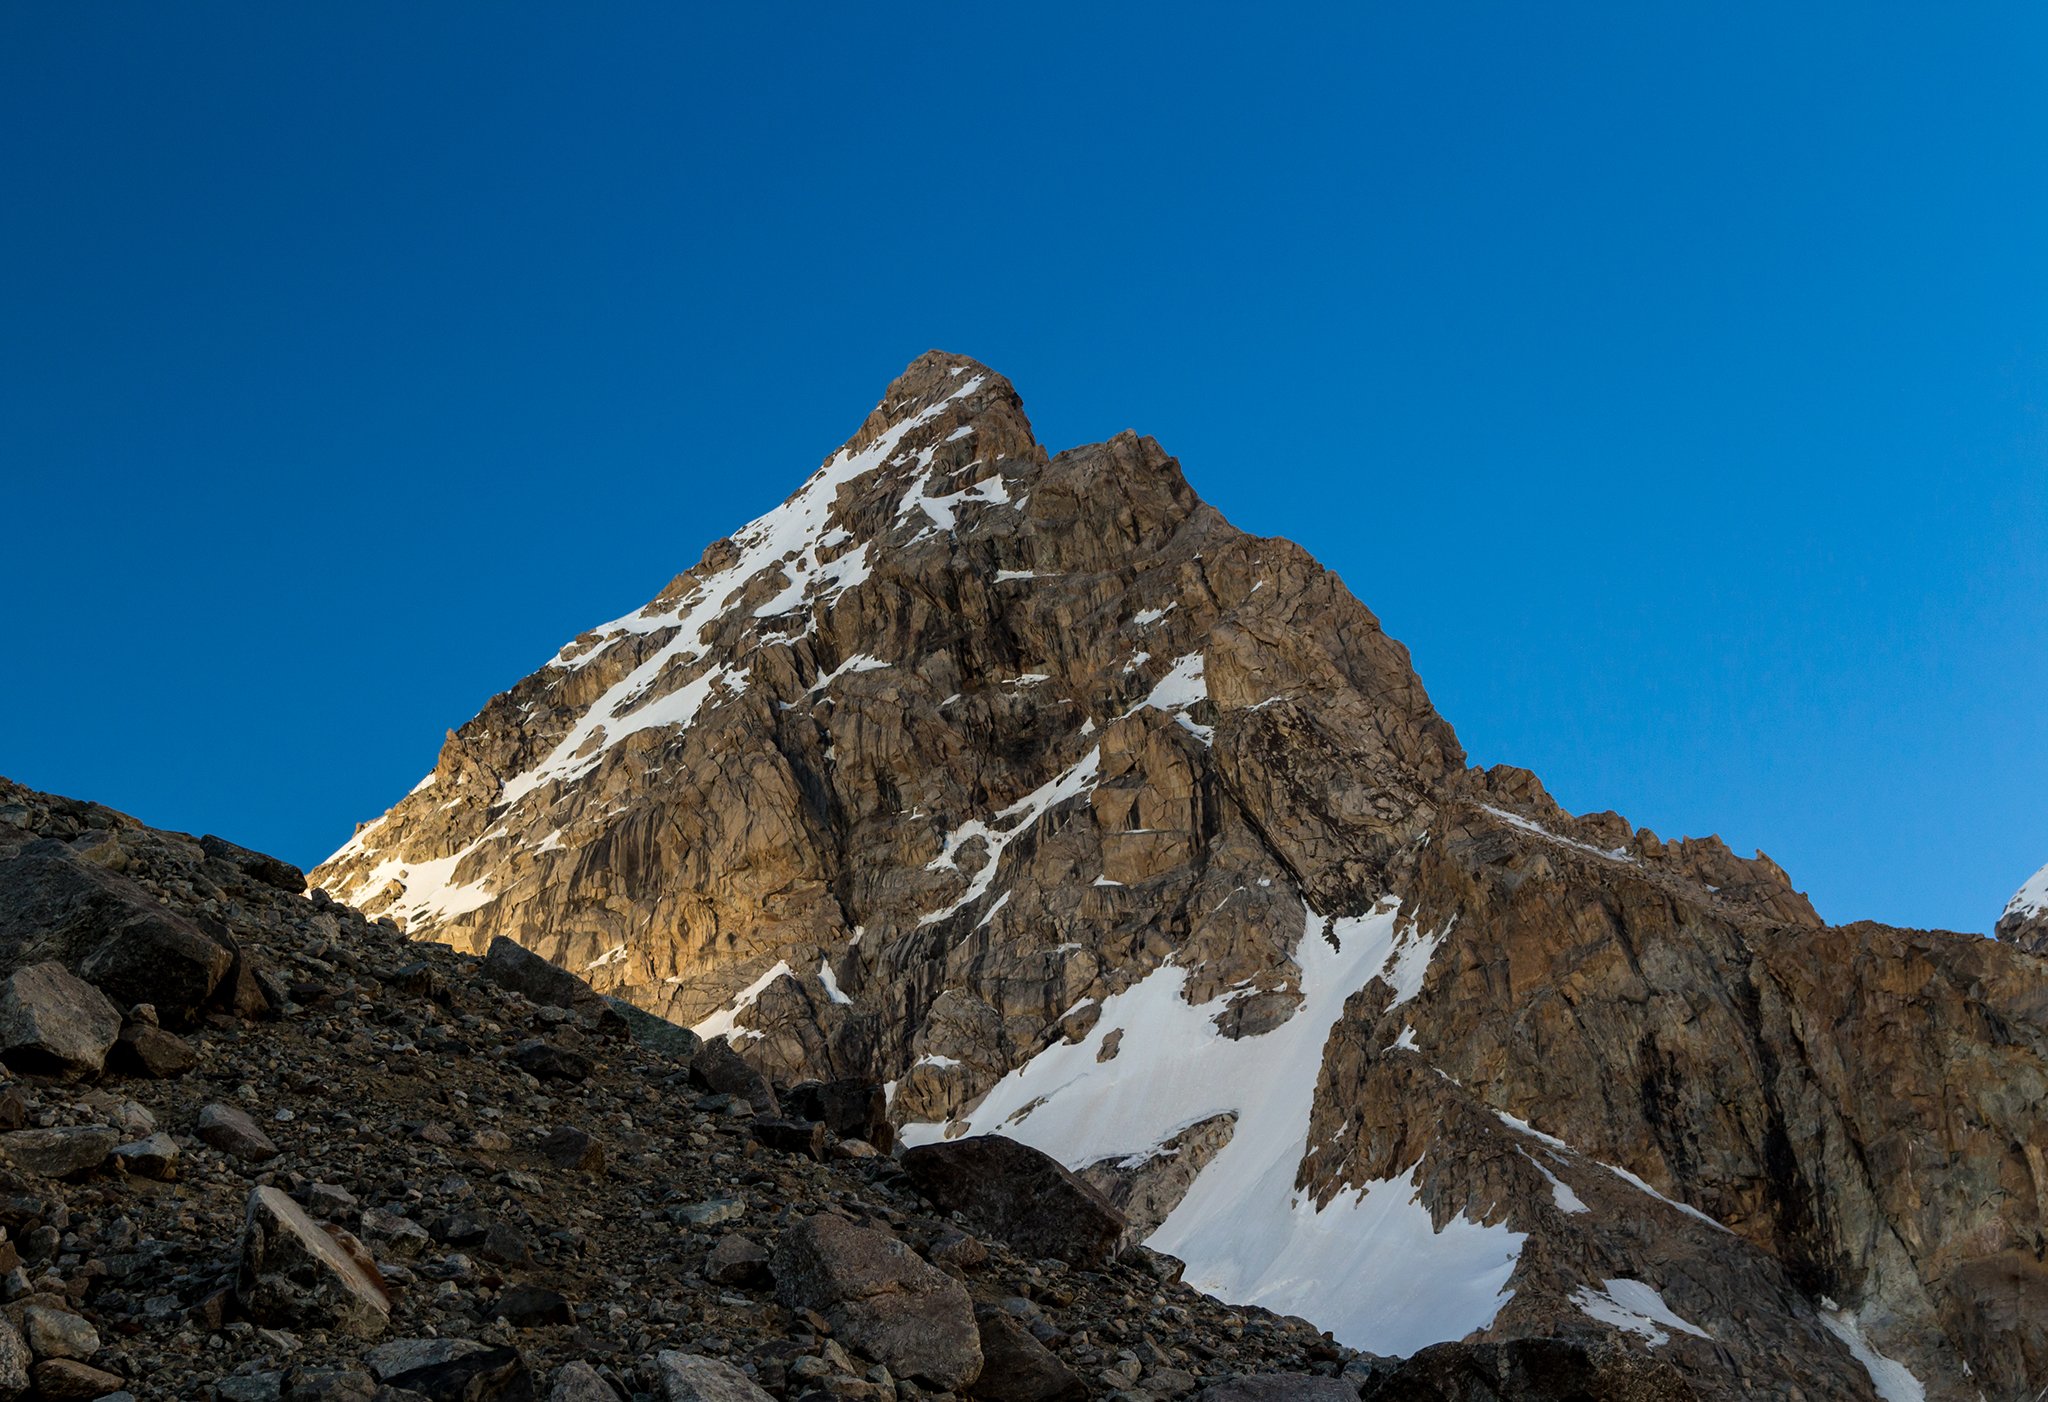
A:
(1013, 1191)
(881, 1298)
(691, 1377)
(58, 1153)
(1016, 1367)
(512, 965)
(53, 1023)
(232, 1131)
(296, 1275)
(54, 904)
(720, 1069)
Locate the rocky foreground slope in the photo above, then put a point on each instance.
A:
(1028, 786)
(255, 1146)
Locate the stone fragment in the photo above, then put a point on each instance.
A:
(326, 1384)
(532, 1306)
(452, 1370)
(547, 1062)
(1525, 1370)
(68, 1380)
(145, 1049)
(722, 1071)
(58, 1153)
(512, 965)
(55, 1333)
(53, 1024)
(737, 1260)
(295, 1274)
(577, 1381)
(1015, 1367)
(881, 1298)
(805, 1137)
(154, 1157)
(690, 1377)
(14, 1360)
(107, 930)
(271, 871)
(851, 1109)
(232, 1131)
(1018, 1194)
(569, 1147)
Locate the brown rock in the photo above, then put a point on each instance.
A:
(881, 1298)
(1015, 1192)
(294, 1274)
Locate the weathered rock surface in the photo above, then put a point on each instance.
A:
(689, 1377)
(1013, 1191)
(881, 1298)
(1527, 1370)
(53, 1024)
(295, 1273)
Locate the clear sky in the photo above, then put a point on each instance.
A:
(1670, 379)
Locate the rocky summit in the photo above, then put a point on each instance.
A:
(2024, 921)
(1029, 788)
(992, 928)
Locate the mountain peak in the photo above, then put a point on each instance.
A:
(1034, 791)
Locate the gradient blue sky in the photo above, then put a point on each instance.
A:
(1670, 379)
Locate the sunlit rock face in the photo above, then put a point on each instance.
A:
(1029, 786)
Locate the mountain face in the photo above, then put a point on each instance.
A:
(2024, 922)
(1030, 786)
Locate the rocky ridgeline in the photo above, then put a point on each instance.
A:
(329, 1163)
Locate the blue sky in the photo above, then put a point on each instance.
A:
(1671, 381)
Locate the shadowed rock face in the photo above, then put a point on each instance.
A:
(920, 776)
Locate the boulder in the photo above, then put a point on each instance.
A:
(805, 1137)
(881, 1298)
(1016, 1367)
(722, 1071)
(55, 1333)
(109, 931)
(512, 965)
(532, 1306)
(232, 1131)
(1018, 1194)
(58, 1153)
(145, 1049)
(68, 1380)
(547, 1062)
(1526, 1370)
(851, 1109)
(53, 1024)
(153, 1157)
(691, 1377)
(1279, 1387)
(295, 1274)
(737, 1260)
(271, 871)
(14, 1360)
(452, 1370)
(577, 1381)
(569, 1147)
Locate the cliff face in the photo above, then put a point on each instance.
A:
(1029, 785)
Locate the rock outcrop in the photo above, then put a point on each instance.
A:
(1026, 785)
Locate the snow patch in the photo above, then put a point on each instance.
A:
(1000, 831)
(1636, 1307)
(721, 1023)
(2030, 899)
(1612, 854)
(830, 982)
(1369, 1265)
(1889, 1379)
